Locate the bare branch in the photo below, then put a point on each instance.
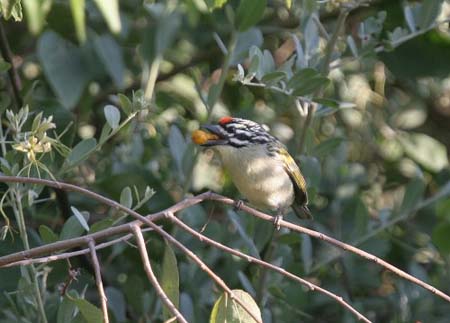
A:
(186, 203)
(98, 280)
(118, 206)
(336, 243)
(267, 265)
(151, 276)
(67, 255)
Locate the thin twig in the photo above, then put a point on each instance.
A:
(151, 276)
(381, 48)
(337, 243)
(267, 265)
(12, 72)
(98, 280)
(205, 196)
(66, 255)
(135, 215)
(75, 242)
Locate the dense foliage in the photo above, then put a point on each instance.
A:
(105, 95)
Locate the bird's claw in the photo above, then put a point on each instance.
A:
(277, 221)
(237, 205)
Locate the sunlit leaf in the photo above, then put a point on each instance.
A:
(215, 4)
(36, 12)
(110, 11)
(80, 218)
(11, 8)
(425, 150)
(112, 115)
(77, 8)
(249, 13)
(126, 198)
(227, 310)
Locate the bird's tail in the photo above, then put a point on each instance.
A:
(302, 211)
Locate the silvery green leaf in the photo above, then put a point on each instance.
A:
(126, 198)
(112, 115)
(80, 218)
(352, 45)
(409, 17)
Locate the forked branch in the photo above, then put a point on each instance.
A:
(24, 256)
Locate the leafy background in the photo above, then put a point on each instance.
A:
(375, 153)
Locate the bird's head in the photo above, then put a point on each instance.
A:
(235, 132)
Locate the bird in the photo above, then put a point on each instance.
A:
(258, 164)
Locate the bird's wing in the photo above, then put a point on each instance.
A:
(301, 197)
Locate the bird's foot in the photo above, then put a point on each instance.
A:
(237, 205)
(277, 221)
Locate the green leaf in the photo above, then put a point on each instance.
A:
(73, 228)
(101, 225)
(413, 194)
(47, 234)
(81, 151)
(116, 303)
(36, 13)
(66, 311)
(247, 240)
(170, 280)
(215, 4)
(80, 217)
(77, 8)
(213, 94)
(307, 81)
(91, 313)
(4, 66)
(313, 85)
(273, 77)
(429, 12)
(111, 57)
(11, 8)
(289, 238)
(249, 13)
(112, 115)
(64, 67)
(227, 310)
(125, 104)
(326, 148)
(425, 150)
(440, 237)
(327, 102)
(177, 147)
(126, 198)
(306, 251)
(110, 11)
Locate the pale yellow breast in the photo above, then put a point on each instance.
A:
(259, 178)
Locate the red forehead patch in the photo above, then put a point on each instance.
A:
(225, 120)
